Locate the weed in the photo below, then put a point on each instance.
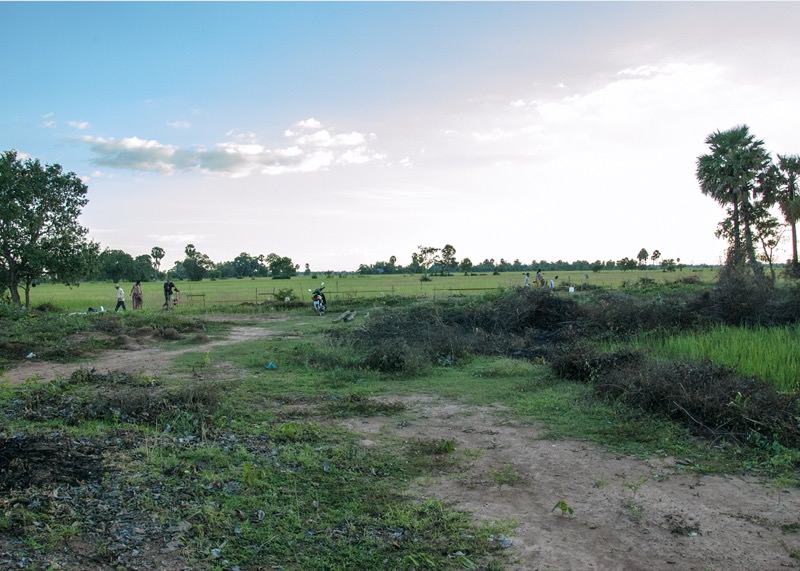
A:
(637, 485)
(566, 510)
(634, 510)
(505, 476)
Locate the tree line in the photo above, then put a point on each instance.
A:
(431, 260)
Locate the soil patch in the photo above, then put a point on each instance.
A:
(629, 513)
(144, 355)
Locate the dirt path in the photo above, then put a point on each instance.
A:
(147, 356)
(629, 514)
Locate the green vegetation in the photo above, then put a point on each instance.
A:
(342, 290)
(256, 468)
(769, 353)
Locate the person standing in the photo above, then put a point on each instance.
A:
(136, 295)
(527, 279)
(538, 280)
(169, 287)
(120, 298)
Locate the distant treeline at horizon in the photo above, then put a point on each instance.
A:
(117, 265)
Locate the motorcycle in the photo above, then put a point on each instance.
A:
(318, 300)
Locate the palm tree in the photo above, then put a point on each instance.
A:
(157, 253)
(787, 198)
(734, 173)
(642, 257)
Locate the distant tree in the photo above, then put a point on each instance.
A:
(655, 256)
(39, 230)
(465, 266)
(735, 173)
(115, 265)
(157, 253)
(626, 264)
(642, 257)
(448, 259)
(247, 266)
(416, 263)
(428, 257)
(668, 265)
(143, 268)
(196, 264)
(281, 267)
(597, 266)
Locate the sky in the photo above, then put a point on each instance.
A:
(341, 134)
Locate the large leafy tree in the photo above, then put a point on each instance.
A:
(281, 267)
(115, 265)
(39, 230)
(737, 173)
(246, 265)
(196, 264)
(448, 259)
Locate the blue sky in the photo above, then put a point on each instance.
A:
(345, 133)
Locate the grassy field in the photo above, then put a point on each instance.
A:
(338, 288)
(256, 469)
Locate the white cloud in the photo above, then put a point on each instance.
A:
(82, 125)
(133, 153)
(179, 124)
(312, 147)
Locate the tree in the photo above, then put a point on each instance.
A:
(465, 266)
(196, 264)
(448, 259)
(39, 230)
(735, 173)
(642, 257)
(767, 233)
(248, 266)
(115, 265)
(655, 256)
(142, 268)
(428, 257)
(281, 267)
(789, 201)
(157, 253)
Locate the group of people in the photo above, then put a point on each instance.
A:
(170, 295)
(538, 280)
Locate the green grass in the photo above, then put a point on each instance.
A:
(257, 471)
(341, 289)
(770, 353)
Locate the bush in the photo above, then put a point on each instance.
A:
(713, 401)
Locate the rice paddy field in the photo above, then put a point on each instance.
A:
(339, 288)
(767, 353)
(770, 353)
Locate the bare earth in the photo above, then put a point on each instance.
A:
(629, 514)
